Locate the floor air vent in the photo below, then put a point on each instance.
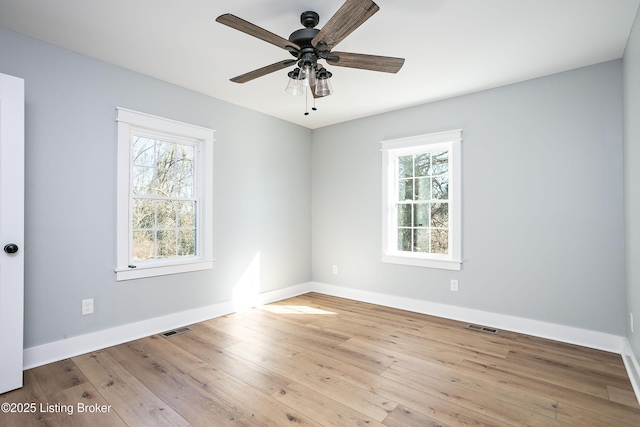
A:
(482, 329)
(175, 332)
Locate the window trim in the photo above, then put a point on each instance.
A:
(393, 148)
(128, 121)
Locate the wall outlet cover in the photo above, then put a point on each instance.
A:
(87, 306)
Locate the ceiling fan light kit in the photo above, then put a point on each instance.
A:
(309, 45)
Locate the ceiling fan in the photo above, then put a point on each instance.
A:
(309, 45)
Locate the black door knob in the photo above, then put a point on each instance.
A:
(11, 248)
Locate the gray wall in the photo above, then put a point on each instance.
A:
(632, 180)
(262, 193)
(542, 201)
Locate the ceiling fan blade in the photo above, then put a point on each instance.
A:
(350, 16)
(385, 64)
(255, 31)
(263, 71)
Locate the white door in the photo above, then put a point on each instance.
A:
(11, 231)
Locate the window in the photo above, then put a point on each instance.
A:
(164, 206)
(421, 200)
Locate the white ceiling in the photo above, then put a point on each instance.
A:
(452, 47)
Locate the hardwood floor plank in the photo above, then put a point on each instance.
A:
(566, 395)
(132, 401)
(397, 351)
(530, 401)
(547, 353)
(405, 417)
(373, 313)
(357, 327)
(159, 374)
(624, 397)
(591, 353)
(58, 376)
(86, 408)
(421, 346)
(31, 393)
(266, 410)
(489, 344)
(322, 382)
(480, 402)
(324, 410)
(159, 348)
(196, 343)
(230, 326)
(593, 373)
(347, 372)
(434, 407)
(554, 375)
(585, 418)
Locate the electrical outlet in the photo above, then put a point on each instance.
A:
(454, 285)
(631, 320)
(87, 306)
(335, 269)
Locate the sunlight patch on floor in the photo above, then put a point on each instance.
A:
(294, 309)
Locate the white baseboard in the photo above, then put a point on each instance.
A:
(633, 367)
(568, 334)
(74, 346)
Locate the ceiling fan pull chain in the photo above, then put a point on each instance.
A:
(306, 101)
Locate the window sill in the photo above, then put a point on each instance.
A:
(161, 270)
(422, 262)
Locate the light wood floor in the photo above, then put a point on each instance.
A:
(316, 360)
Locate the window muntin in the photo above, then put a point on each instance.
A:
(164, 204)
(421, 200)
(163, 196)
(422, 205)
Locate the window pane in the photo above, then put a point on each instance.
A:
(165, 182)
(184, 180)
(421, 240)
(423, 164)
(143, 151)
(404, 239)
(186, 214)
(405, 166)
(142, 180)
(440, 215)
(142, 245)
(166, 243)
(439, 241)
(421, 215)
(143, 215)
(404, 215)
(185, 152)
(405, 189)
(185, 157)
(440, 187)
(423, 188)
(439, 163)
(165, 154)
(166, 214)
(186, 242)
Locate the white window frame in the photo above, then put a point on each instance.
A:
(133, 122)
(391, 150)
